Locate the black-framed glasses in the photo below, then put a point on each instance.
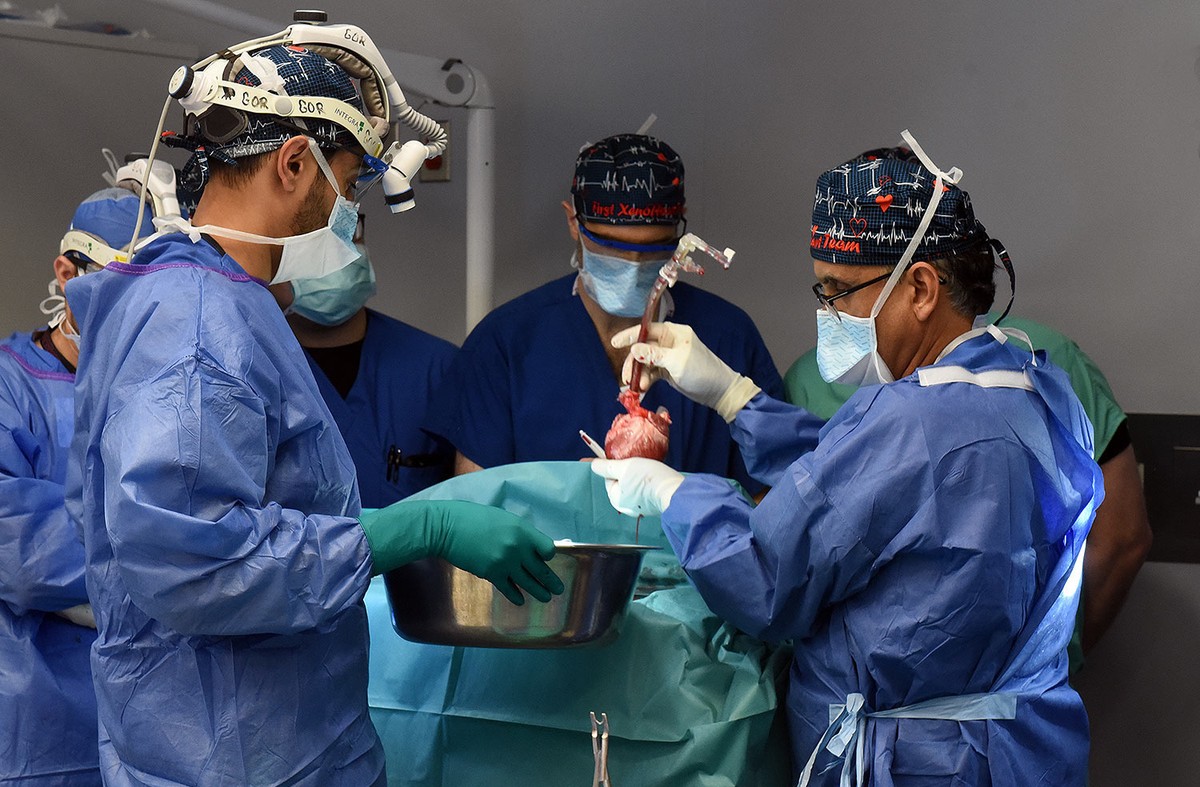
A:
(826, 301)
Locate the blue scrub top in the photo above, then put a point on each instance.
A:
(929, 547)
(534, 372)
(218, 505)
(398, 373)
(47, 705)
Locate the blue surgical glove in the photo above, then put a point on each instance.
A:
(488, 542)
(638, 487)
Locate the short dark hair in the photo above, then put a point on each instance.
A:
(969, 281)
(239, 174)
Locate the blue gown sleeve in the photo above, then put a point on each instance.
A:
(770, 570)
(882, 493)
(200, 548)
(773, 434)
(41, 557)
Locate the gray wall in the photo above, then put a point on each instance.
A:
(1077, 125)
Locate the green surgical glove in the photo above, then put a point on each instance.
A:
(488, 542)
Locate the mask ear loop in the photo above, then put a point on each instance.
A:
(55, 306)
(952, 177)
(323, 164)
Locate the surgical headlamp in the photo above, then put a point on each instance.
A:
(217, 107)
(77, 243)
(138, 173)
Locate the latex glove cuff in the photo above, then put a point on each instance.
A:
(735, 398)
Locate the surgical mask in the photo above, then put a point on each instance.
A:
(333, 299)
(848, 348)
(618, 286)
(309, 256)
(68, 331)
(55, 307)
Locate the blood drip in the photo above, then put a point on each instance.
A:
(638, 432)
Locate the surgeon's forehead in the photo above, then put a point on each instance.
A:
(844, 276)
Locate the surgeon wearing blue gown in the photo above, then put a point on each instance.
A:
(540, 368)
(227, 551)
(377, 375)
(47, 704)
(925, 555)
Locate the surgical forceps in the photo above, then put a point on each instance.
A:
(600, 731)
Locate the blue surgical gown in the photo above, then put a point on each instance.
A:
(534, 372)
(217, 503)
(916, 553)
(47, 705)
(398, 373)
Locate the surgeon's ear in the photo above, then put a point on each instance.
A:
(572, 227)
(293, 162)
(64, 270)
(926, 290)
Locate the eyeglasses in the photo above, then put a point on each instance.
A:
(639, 252)
(826, 301)
(371, 169)
(83, 263)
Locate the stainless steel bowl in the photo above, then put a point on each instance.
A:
(435, 602)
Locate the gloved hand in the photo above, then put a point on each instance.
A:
(675, 354)
(80, 615)
(638, 487)
(488, 542)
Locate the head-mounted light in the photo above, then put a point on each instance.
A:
(77, 244)
(218, 105)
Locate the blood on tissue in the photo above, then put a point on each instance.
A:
(638, 432)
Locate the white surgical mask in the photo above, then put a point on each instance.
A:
(619, 286)
(308, 256)
(848, 350)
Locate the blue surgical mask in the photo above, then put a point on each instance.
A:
(847, 350)
(336, 297)
(620, 287)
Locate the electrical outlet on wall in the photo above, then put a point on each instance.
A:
(437, 170)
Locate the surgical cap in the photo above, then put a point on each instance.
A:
(629, 179)
(867, 210)
(292, 71)
(110, 215)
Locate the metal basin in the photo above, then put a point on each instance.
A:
(435, 602)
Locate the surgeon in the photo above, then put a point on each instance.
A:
(227, 553)
(47, 704)
(1120, 537)
(540, 368)
(377, 375)
(926, 555)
